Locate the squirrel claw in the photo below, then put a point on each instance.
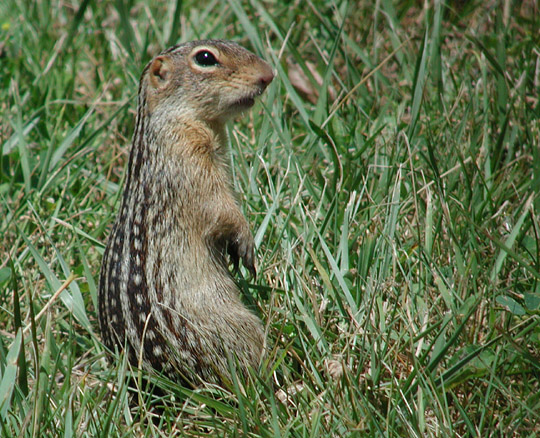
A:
(249, 262)
(243, 249)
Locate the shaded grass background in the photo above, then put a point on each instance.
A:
(391, 176)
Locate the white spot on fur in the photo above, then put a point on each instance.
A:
(185, 356)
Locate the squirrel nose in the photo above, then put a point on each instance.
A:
(266, 78)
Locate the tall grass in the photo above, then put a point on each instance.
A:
(391, 176)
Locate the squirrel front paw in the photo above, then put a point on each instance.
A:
(242, 246)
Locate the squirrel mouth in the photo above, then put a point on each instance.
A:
(244, 102)
(247, 100)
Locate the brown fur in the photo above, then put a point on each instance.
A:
(165, 288)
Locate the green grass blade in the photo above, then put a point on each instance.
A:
(8, 378)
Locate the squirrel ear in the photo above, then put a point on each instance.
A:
(160, 71)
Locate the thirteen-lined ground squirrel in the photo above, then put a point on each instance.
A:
(165, 288)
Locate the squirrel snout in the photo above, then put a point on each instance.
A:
(265, 79)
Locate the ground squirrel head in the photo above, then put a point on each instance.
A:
(211, 80)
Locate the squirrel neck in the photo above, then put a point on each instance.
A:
(183, 135)
(175, 156)
(173, 133)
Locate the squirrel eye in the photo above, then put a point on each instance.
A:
(205, 58)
